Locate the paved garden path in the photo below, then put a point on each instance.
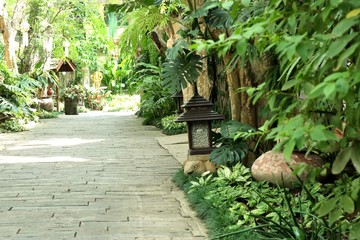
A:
(91, 176)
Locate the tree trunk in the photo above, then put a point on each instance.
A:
(9, 29)
(9, 41)
(248, 114)
(233, 81)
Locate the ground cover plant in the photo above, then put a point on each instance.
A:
(234, 206)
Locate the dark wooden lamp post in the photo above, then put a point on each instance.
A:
(198, 115)
(179, 101)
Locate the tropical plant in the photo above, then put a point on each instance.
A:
(310, 91)
(16, 94)
(156, 101)
(170, 127)
(236, 207)
(73, 92)
(96, 100)
(230, 150)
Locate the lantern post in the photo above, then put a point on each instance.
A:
(198, 115)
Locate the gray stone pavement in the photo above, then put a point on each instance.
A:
(93, 176)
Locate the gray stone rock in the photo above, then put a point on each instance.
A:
(272, 166)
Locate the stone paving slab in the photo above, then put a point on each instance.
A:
(92, 176)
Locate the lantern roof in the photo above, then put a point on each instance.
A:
(198, 109)
(197, 101)
(177, 95)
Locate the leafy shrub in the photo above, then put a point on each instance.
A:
(42, 114)
(170, 127)
(230, 150)
(11, 125)
(16, 94)
(95, 100)
(234, 206)
(156, 101)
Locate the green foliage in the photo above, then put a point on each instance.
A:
(138, 28)
(156, 101)
(170, 127)
(73, 92)
(42, 114)
(122, 103)
(343, 201)
(95, 100)
(230, 151)
(16, 94)
(11, 125)
(185, 68)
(311, 85)
(235, 206)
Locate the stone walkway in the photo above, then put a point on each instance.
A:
(91, 176)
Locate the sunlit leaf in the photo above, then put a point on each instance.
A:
(348, 204)
(353, 13)
(341, 160)
(343, 26)
(327, 207)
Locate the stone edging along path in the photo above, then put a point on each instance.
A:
(92, 176)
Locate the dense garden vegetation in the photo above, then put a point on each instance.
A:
(286, 73)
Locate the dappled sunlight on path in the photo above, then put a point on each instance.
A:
(92, 176)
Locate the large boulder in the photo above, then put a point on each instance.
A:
(272, 167)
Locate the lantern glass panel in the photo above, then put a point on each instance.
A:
(200, 135)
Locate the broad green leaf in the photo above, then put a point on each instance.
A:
(317, 133)
(327, 206)
(241, 47)
(288, 149)
(341, 160)
(335, 3)
(342, 86)
(345, 55)
(290, 84)
(330, 91)
(353, 13)
(227, 172)
(317, 91)
(355, 156)
(343, 26)
(335, 215)
(338, 45)
(355, 231)
(256, 28)
(227, 5)
(336, 75)
(181, 70)
(355, 188)
(246, 3)
(298, 233)
(348, 204)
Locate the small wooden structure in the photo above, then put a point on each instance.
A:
(64, 65)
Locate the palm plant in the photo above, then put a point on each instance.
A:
(156, 102)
